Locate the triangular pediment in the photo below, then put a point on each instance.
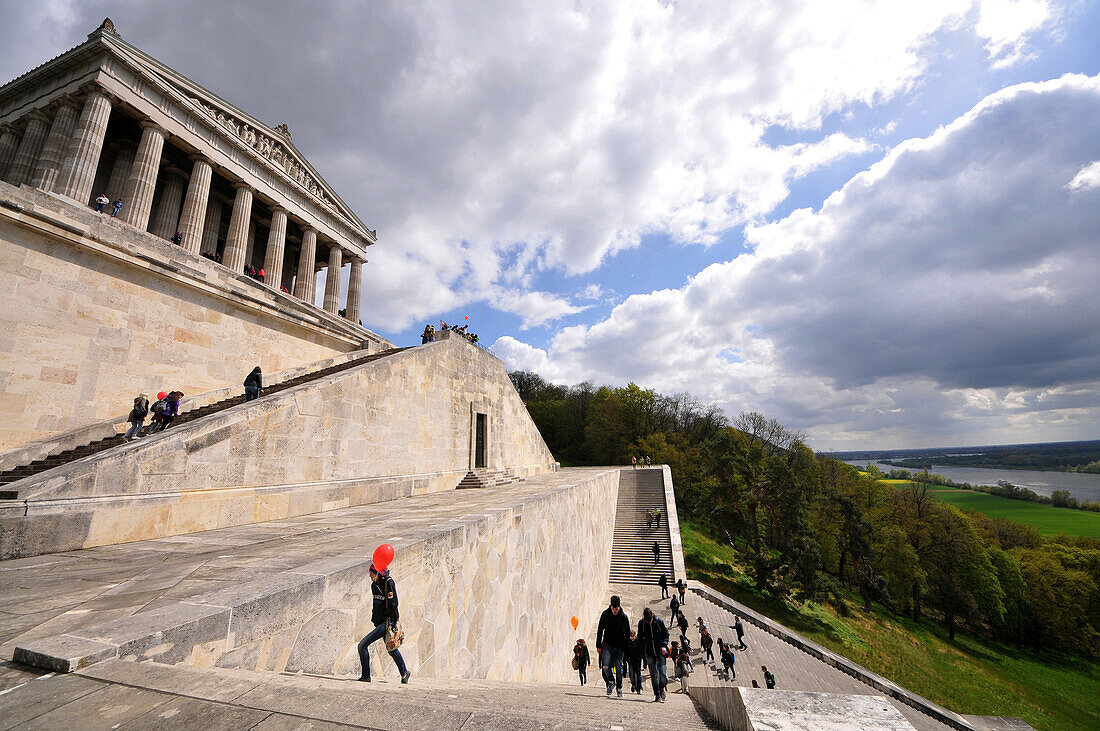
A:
(271, 147)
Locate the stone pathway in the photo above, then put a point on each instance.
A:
(126, 695)
(57, 593)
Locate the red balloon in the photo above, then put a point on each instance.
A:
(382, 556)
(162, 394)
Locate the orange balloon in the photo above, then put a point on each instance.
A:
(574, 622)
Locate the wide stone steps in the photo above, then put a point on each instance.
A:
(793, 668)
(61, 458)
(129, 695)
(484, 477)
(632, 550)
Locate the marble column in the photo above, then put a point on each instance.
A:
(137, 197)
(332, 279)
(236, 241)
(355, 290)
(276, 242)
(9, 143)
(211, 228)
(120, 170)
(81, 159)
(49, 161)
(167, 218)
(250, 249)
(307, 277)
(29, 147)
(194, 205)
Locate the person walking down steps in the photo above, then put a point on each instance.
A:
(663, 583)
(612, 638)
(656, 553)
(740, 630)
(383, 614)
(653, 638)
(581, 659)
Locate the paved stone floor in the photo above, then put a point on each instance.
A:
(57, 593)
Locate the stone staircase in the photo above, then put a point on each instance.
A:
(793, 668)
(486, 477)
(86, 450)
(130, 695)
(632, 553)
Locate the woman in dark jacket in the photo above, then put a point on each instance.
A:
(253, 384)
(383, 613)
(137, 417)
(582, 659)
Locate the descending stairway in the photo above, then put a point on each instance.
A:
(794, 669)
(56, 460)
(485, 477)
(632, 552)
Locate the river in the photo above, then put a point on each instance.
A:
(1084, 487)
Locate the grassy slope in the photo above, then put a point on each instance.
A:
(1049, 520)
(1048, 690)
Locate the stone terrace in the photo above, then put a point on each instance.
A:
(68, 593)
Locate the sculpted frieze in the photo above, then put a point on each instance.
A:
(278, 155)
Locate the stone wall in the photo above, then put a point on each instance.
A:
(489, 597)
(398, 425)
(94, 311)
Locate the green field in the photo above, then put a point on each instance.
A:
(1047, 519)
(1048, 690)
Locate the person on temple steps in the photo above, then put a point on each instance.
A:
(581, 660)
(384, 612)
(101, 203)
(612, 638)
(654, 641)
(656, 553)
(137, 416)
(116, 206)
(253, 384)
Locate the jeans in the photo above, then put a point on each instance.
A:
(612, 657)
(364, 657)
(664, 592)
(135, 427)
(635, 675)
(710, 653)
(251, 392)
(657, 675)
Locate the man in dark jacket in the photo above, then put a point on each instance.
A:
(612, 638)
(663, 583)
(653, 638)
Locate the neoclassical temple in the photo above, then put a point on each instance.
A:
(98, 307)
(105, 118)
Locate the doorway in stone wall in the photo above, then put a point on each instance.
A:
(479, 440)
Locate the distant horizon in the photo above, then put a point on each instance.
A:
(895, 450)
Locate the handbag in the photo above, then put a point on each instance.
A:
(576, 663)
(394, 636)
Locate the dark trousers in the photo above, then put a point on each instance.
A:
(251, 392)
(635, 669)
(364, 656)
(741, 642)
(664, 592)
(582, 670)
(612, 658)
(710, 653)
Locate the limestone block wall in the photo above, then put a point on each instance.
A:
(398, 425)
(487, 596)
(93, 312)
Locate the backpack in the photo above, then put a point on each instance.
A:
(141, 408)
(160, 407)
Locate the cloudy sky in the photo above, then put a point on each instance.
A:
(878, 222)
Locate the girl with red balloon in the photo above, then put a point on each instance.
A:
(384, 615)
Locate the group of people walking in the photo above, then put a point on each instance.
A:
(164, 411)
(644, 461)
(167, 407)
(625, 650)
